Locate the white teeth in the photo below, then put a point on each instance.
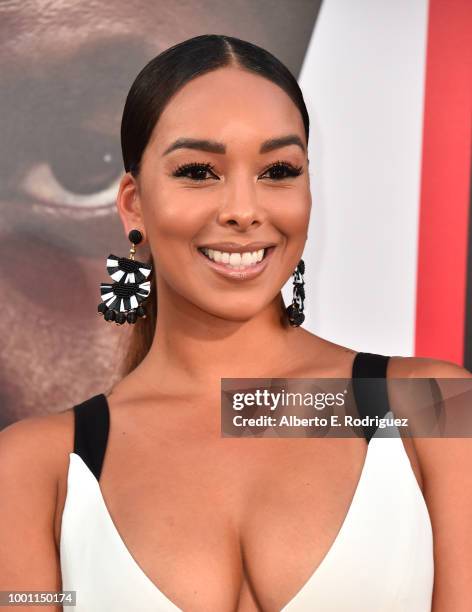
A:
(235, 260)
(246, 259)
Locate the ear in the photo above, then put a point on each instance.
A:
(128, 203)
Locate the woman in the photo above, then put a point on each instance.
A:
(134, 499)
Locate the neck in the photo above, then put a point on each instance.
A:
(192, 349)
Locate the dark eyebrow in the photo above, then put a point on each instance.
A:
(282, 141)
(211, 146)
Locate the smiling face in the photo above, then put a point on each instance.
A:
(248, 183)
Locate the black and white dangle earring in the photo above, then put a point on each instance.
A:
(295, 310)
(122, 301)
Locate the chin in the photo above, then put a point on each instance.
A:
(237, 315)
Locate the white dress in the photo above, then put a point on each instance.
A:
(380, 561)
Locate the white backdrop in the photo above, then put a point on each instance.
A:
(363, 82)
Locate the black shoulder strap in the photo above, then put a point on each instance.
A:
(92, 424)
(371, 398)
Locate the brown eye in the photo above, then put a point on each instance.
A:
(195, 171)
(85, 176)
(282, 170)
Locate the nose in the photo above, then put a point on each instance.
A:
(240, 208)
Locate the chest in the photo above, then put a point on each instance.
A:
(235, 520)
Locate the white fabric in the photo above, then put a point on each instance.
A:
(380, 561)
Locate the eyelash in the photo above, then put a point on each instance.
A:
(291, 170)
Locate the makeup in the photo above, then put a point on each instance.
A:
(243, 272)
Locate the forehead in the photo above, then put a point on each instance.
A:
(228, 102)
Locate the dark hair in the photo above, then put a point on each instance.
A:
(152, 90)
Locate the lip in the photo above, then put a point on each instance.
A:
(234, 247)
(245, 274)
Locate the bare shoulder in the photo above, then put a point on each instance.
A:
(33, 454)
(34, 447)
(430, 450)
(425, 367)
(446, 466)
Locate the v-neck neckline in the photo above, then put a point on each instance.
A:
(137, 567)
(355, 500)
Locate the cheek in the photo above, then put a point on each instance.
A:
(290, 211)
(174, 216)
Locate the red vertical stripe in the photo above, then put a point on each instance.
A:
(444, 205)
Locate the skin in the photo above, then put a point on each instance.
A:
(218, 507)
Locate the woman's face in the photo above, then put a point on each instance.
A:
(240, 190)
